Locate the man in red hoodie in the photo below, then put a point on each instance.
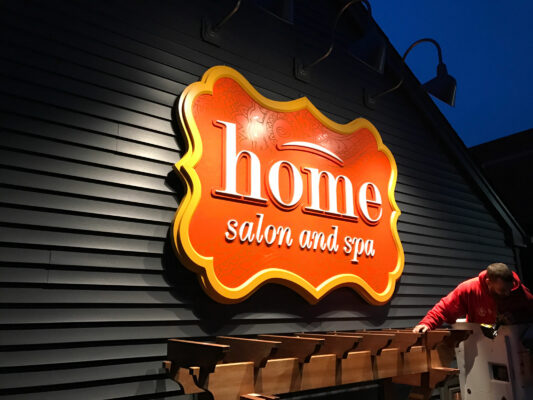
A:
(495, 294)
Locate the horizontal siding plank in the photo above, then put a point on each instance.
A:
(176, 315)
(147, 137)
(46, 201)
(116, 296)
(62, 277)
(57, 377)
(409, 182)
(429, 221)
(415, 261)
(58, 63)
(33, 40)
(37, 77)
(62, 185)
(447, 215)
(71, 258)
(22, 275)
(167, 388)
(96, 315)
(86, 296)
(435, 231)
(15, 105)
(125, 139)
(79, 223)
(81, 278)
(24, 255)
(78, 375)
(421, 290)
(93, 108)
(54, 239)
(94, 40)
(81, 154)
(452, 253)
(81, 340)
(456, 245)
(433, 200)
(79, 170)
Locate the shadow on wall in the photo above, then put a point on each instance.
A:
(271, 304)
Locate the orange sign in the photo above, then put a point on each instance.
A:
(277, 192)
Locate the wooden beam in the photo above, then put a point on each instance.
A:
(435, 337)
(243, 349)
(372, 341)
(186, 354)
(339, 345)
(295, 347)
(403, 341)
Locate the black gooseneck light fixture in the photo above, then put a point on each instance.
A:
(443, 86)
(374, 48)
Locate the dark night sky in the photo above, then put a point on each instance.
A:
(487, 46)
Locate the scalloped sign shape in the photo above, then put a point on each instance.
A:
(276, 192)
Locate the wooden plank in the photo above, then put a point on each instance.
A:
(254, 350)
(388, 363)
(415, 361)
(357, 367)
(279, 376)
(229, 381)
(335, 344)
(403, 341)
(187, 353)
(371, 341)
(319, 372)
(435, 337)
(295, 347)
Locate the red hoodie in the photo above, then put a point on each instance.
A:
(473, 300)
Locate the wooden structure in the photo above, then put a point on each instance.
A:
(236, 368)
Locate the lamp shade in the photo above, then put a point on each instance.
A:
(443, 86)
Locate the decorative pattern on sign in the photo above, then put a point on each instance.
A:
(277, 192)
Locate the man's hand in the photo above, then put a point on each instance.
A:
(421, 328)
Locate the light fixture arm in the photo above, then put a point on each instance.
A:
(330, 49)
(301, 71)
(217, 27)
(370, 100)
(210, 33)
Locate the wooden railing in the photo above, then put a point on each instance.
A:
(234, 368)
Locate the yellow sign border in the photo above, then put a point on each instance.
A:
(203, 265)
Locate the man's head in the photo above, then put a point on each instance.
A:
(499, 280)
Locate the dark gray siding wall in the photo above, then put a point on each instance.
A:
(90, 289)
